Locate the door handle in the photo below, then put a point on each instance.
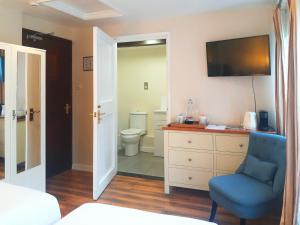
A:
(93, 114)
(99, 114)
(31, 114)
(67, 109)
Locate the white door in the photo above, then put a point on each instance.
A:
(28, 119)
(104, 112)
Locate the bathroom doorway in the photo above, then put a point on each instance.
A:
(142, 105)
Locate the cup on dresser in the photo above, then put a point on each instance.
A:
(180, 119)
(203, 120)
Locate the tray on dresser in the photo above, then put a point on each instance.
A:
(195, 125)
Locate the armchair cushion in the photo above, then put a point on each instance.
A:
(246, 197)
(242, 189)
(261, 170)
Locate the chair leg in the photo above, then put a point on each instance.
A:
(243, 221)
(213, 211)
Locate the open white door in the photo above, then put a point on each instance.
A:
(104, 112)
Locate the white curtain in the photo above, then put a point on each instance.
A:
(298, 63)
(290, 210)
(281, 25)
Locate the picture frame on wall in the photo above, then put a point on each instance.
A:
(88, 63)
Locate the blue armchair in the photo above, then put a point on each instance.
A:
(257, 185)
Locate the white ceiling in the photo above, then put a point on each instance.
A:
(77, 12)
(138, 9)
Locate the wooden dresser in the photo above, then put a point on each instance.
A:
(193, 156)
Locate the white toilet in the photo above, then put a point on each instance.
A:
(137, 128)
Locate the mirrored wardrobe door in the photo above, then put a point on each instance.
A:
(2, 113)
(28, 110)
(33, 100)
(20, 112)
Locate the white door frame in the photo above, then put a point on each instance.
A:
(154, 36)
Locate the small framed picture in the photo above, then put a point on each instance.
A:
(88, 63)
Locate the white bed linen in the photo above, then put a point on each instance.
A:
(24, 206)
(96, 214)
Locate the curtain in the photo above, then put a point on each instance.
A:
(298, 64)
(291, 193)
(280, 82)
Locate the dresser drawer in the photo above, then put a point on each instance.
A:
(228, 163)
(189, 177)
(232, 143)
(191, 159)
(191, 140)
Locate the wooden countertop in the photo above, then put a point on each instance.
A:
(169, 127)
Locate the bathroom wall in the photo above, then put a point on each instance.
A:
(137, 65)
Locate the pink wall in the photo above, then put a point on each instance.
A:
(223, 100)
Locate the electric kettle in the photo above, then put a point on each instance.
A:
(250, 121)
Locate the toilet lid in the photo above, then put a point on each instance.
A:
(131, 131)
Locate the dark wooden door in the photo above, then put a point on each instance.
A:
(58, 99)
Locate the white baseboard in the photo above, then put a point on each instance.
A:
(82, 167)
(149, 149)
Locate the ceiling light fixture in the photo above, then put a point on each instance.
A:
(152, 42)
(142, 43)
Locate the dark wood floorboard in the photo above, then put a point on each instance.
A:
(74, 188)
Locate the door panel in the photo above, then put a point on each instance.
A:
(58, 99)
(28, 119)
(34, 107)
(104, 106)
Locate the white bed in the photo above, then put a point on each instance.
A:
(23, 206)
(95, 214)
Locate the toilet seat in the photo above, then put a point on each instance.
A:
(131, 139)
(131, 132)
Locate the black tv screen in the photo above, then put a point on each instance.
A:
(239, 57)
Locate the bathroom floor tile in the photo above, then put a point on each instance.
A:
(143, 163)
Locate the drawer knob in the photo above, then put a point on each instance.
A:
(190, 142)
(241, 145)
(190, 160)
(190, 178)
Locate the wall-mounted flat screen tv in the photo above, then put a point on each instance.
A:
(239, 57)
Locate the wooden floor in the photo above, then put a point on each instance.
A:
(74, 188)
(1, 168)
